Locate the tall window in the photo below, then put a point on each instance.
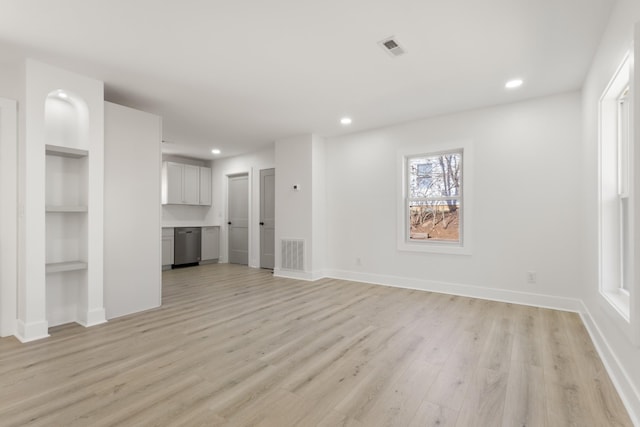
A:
(615, 181)
(434, 197)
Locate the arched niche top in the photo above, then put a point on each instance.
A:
(66, 120)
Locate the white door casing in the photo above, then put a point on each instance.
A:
(238, 222)
(267, 218)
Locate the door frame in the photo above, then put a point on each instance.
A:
(259, 211)
(225, 245)
(8, 216)
(253, 171)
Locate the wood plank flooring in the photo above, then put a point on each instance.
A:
(233, 346)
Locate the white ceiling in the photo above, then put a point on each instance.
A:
(237, 75)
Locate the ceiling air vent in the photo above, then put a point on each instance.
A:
(392, 47)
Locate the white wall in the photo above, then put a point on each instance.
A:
(12, 74)
(12, 86)
(132, 259)
(294, 207)
(8, 215)
(250, 164)
(186, 216)
(612, 335)
(526, 203)
(318, 206)
(12, 78)
(301, 213)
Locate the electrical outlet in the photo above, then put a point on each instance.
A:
(531, 277)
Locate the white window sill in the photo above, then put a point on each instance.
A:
(619, 300)
(434, 247)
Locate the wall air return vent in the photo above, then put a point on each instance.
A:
(292, 254)
(392, 47)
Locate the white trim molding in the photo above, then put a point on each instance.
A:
(299, 275)
(93, 317)
(465, 247)
(27, 332)
(481, 292)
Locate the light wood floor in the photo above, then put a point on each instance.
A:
(234, 346)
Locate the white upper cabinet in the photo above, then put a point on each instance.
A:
(172, 183)
(184, 184)
(191, 185)
(205, 186)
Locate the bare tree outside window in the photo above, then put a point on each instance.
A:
(434, 196)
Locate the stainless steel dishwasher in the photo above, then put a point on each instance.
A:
(187, 246)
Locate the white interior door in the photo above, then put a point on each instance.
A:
(267, 217)
(238, 203)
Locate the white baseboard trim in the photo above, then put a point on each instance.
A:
(97, 316)
(27, 332)
(317, 275)
(299, 275)
(628, 392)
(493, 294)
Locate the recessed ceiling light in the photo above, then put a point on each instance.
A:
(215, 151)
(512, 84)
(345, 120)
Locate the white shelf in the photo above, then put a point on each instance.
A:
(74, 153)
(59, 267)
(66, 209)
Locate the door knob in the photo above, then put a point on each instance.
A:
(262, 223)
(229, 223)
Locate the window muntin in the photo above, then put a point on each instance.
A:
(434, 197)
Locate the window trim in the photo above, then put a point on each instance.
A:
(617, 297)
(464, 247)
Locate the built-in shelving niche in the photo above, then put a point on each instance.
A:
(66, 206)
